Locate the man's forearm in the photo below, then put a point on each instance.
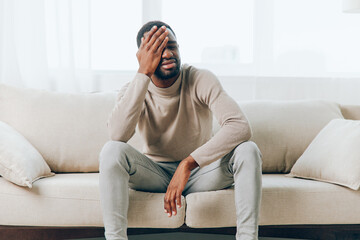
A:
(126, 113)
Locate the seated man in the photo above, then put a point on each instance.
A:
(172, 105)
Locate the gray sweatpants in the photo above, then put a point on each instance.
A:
(122, 166)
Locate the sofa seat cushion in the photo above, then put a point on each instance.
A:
(73, 200)
(285, 201)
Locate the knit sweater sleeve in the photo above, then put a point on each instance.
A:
(234, 125)
(126, 113)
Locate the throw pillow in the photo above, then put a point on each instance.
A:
(20, 162)
(333, 156)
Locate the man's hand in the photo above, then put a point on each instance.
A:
(177, 185)
(150, 50)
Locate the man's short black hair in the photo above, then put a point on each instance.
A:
(147, 28)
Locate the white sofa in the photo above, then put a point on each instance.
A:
(69, 131)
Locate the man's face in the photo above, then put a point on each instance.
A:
(170, 61)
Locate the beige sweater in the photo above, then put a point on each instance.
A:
(176, 122)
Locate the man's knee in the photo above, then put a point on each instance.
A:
(248, 153)
(113, 154)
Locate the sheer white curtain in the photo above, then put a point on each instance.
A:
(62, 44)
(45, 44)
(22, 43)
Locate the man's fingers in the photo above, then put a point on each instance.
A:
(149, 34)
(155, 37)
(157, 34)
(167, 208)
(163, 45)
(178, 200)
(142, 42)
(159, 41)
(173, 204)
(167, 205)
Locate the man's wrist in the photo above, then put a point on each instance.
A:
(190, 163)
(147, 73)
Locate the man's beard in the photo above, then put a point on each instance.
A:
(166, 74)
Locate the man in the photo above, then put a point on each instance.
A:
(172, 106)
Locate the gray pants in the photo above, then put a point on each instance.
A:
(122, 166)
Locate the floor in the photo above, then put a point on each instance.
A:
(187, 236)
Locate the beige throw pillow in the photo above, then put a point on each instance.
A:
(333, 156)
(20, 162)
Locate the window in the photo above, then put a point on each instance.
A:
(212, 33)
(205, 31)
(315, 38)
(230, 37)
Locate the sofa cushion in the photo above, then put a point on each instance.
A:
(68, 130)
(283, 129)
(285, 201)
(73, 200)
(351, 112)
(333, 156)
(20, 162)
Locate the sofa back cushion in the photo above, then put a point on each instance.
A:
(351, 112)
(68, 130)
(284, 129)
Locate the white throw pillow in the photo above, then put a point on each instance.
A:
(20, 162)
(333, 156)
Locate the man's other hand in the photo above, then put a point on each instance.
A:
(151, 48)
(177, 185)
